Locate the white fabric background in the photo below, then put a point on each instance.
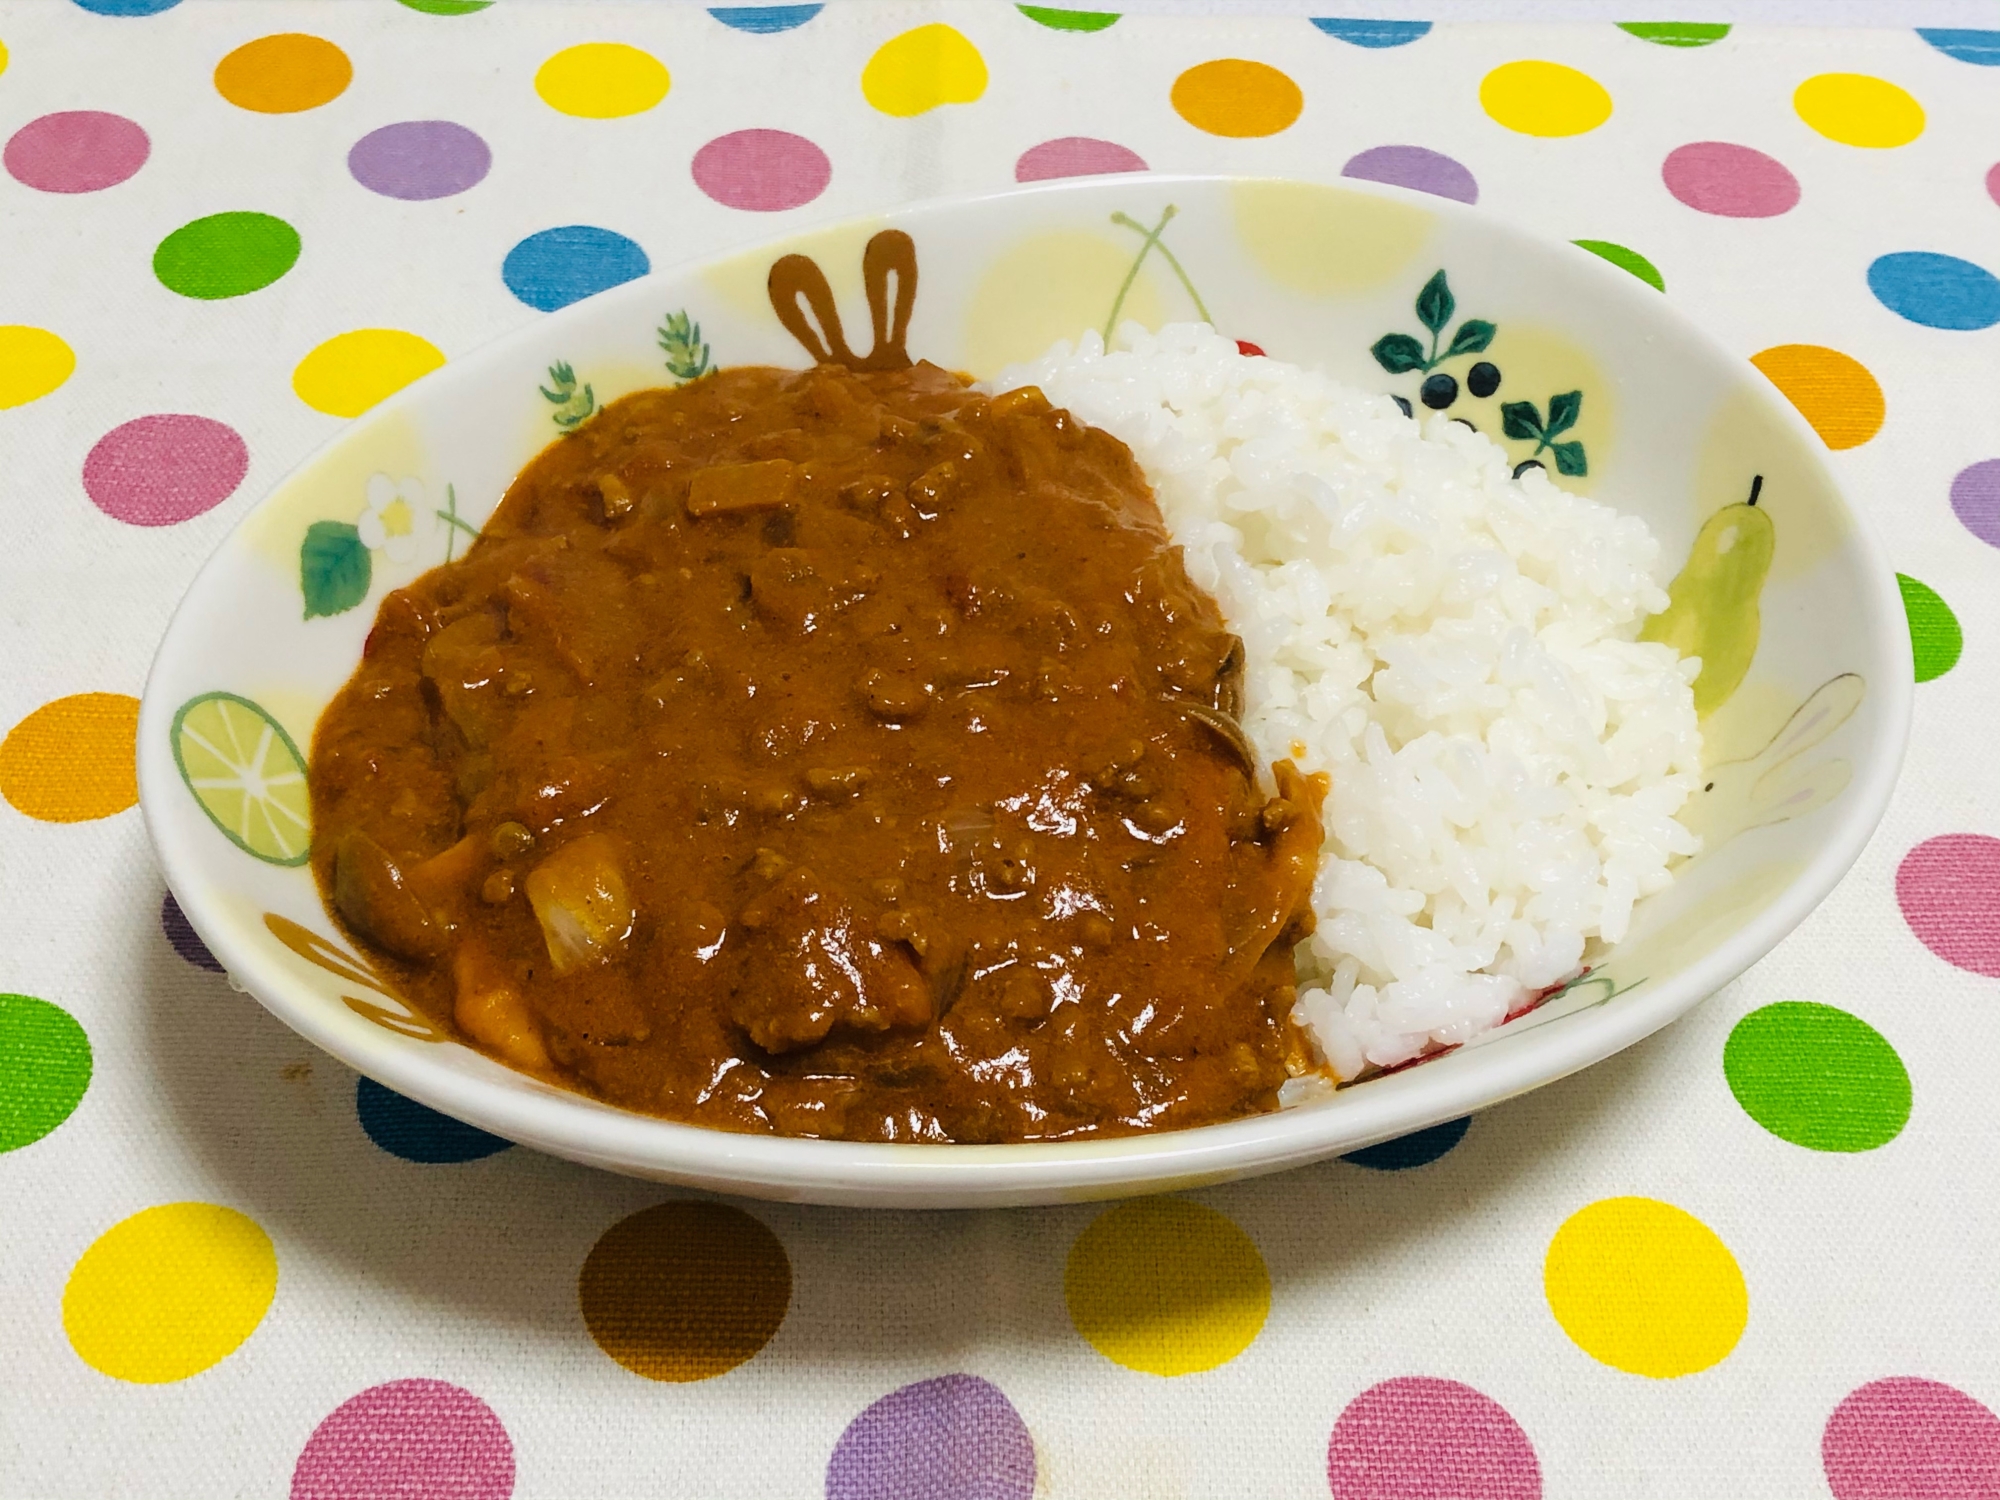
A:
(1886, 1263)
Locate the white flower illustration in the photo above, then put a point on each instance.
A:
(400, 519)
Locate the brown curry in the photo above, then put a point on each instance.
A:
(838, 753)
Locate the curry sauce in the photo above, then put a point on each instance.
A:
(838, 753)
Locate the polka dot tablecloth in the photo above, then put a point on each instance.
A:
(1758, 1255)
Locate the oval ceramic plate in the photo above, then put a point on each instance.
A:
(1603, 384)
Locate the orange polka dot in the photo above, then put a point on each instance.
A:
(1833, 391)
(283, 74)
(1236, 97)
(72, 760)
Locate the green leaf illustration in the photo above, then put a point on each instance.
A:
(1473, 335)
(680, 341)
(1398, 352)
(564, 379)
(1569, 459)
(1521, 419)
(334, 568)
(1563, 412)
(572, 406)
(1435, 303)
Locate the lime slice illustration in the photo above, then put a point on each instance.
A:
(247, 775)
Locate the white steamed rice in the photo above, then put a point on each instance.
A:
(1453, 646)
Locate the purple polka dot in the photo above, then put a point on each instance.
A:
(77, 151)
(1075, 156)
(419, 159)
(1949, 890)
(1910, 1439)
(952, 1438)
(1975, 499)
(157, 470)
(1417, 168)
(414, 1438)
(763, 171)
(1734, 182)
(1420, 1438)
(180, 932)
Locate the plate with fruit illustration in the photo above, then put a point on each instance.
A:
(1569, 363)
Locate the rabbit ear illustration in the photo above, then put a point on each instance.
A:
(1830, 706)
(1787, 791)
(890, 252)
(796, 276)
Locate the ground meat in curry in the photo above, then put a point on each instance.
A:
(830, 753)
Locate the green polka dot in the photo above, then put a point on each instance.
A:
(1934, 632)
(448, 7)
(226, 255)
(44, 1068)
(1671, 33)
(1817, 1077)
(1626, 260)
(1068, 20)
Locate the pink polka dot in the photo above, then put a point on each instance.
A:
(1715, 177)
(408, 1438)
(1949, 889)
(1993, 182)
(1419, 1438)
(762, 170)
(1909, 1439)
(76, 151)
(157, 470)
(1075, 156)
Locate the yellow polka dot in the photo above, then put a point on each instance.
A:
(602, 80)
(1645, 1287)
(1236, 97)
(33, 362)
(170, 1291)
(922, 69)
(1166, 1286)
(1833, 391)
(1858, 110)
(1544, 98)
(72, 760)
(3, 57)
(350, 372)
(283, 74)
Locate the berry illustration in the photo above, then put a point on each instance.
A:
(1439, 391)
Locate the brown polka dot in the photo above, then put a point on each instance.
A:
(685, 1290)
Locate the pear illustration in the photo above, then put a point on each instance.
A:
(1712, 607)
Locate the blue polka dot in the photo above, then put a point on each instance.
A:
(766, 18)
(559, 266)
(1978, 47)
(1938, 291)
(126, 7)
(402, 1127)
(1372, 33)
(1418, 1149)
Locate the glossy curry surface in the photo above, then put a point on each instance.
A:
(837, 753)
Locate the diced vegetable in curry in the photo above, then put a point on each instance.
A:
(829, 753)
